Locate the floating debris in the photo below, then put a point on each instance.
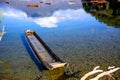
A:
(48, 3)
(33, 5)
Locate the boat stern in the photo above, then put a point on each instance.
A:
(57, 65)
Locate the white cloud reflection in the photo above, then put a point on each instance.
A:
(49, 22)
(61, 15)
(53, 20)
(10, 12)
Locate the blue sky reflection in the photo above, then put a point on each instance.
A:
(13, 13)
(61, 15)
(53, 20)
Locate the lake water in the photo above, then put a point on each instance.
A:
(83, 35)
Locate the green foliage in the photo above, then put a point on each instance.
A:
(110, 21)
(107, 13)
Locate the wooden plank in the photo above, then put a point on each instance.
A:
(41, 51)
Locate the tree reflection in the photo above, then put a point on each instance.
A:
(107, 11)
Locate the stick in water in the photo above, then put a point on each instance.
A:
(95, 70)
(105, 73)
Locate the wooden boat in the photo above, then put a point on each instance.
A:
(43, 53)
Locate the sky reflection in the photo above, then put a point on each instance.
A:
(13, 13)
(53, 20)
(78, 38)
(61, 15)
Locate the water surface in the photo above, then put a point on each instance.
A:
(72, 31)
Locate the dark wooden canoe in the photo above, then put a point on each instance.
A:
(43, 53)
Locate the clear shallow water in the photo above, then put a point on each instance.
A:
(77, 37)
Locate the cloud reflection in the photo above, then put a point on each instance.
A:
(10, 12)
(59, 16)
(53, 20)
(49, 22)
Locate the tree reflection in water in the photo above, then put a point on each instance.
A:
(108, 12)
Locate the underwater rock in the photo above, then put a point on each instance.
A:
(4, 67)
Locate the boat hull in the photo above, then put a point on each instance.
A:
(42, 52)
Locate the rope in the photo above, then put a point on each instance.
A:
(68, 68)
